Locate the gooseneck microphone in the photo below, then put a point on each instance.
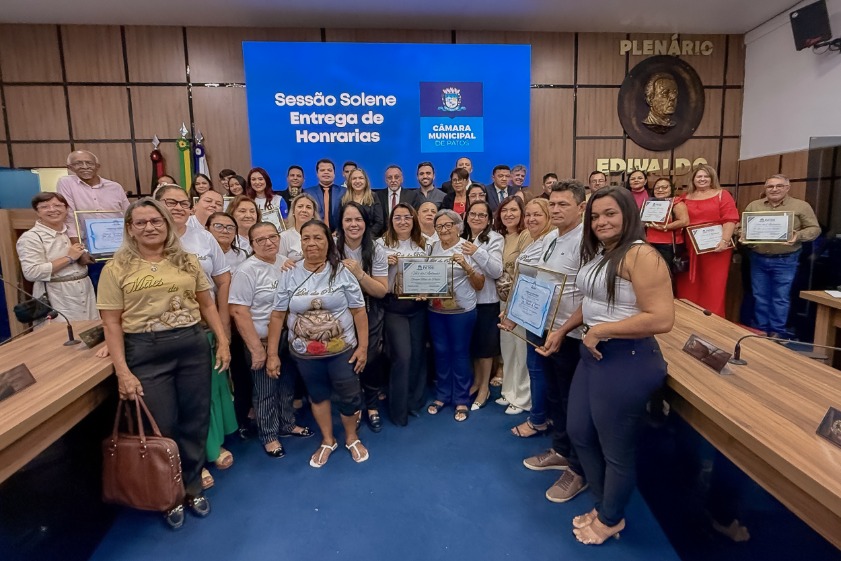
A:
(71, 339)
(737, 350)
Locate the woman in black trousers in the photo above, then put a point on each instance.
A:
(627, 300)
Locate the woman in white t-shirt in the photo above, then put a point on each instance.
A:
(369, 264)
(405, 319)
(253, 293)
(223, 228)
(259, 189)
(303, 209)
(322, 305)
(451, 321)
(246, 214)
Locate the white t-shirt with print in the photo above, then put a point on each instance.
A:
(465, 295)
(379, 265)
(488, 257)
(203, 245)
(255, 284)
(405, 248)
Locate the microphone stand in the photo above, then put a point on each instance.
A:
(71, 339)
(737, 350)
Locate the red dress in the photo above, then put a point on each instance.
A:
(706, 280)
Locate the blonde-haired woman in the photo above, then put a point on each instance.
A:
(302, 209)
(705, 282)
(359, 191)
(152, 296)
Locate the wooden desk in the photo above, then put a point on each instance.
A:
(763, 415)
(828, 320)
(69, 384)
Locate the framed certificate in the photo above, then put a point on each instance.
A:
(705, 237)
(100, 231)
(767, 227)
(424, 277)
(656, 211)
(272, 216)
(535, 299)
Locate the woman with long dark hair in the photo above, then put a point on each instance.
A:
(367, 262)
(201, 184)
(259, 190)
(359, 191)
(637, 184)
(627, 300)
(320, 302)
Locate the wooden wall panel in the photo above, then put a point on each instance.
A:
(552, 54)
(795, 165)
(93, 53)
(736, 60)
(710, 124)
(2, 125)
(388, 35)
(729, 164)
(599, 61)
(159, 110)
(220, 113)
(757, 170)
(36, 113)
(155, 54)
(216, 53)
(709, 68)
(144, 164)
(551, 133)
(798, 189)
(692, 149)
(51, 155)
(636, 152)
(29, 53)
(732, 113)
(633, 59)
(4, 155)
(116, 160)
(588, 151)
(99, 112)
(597, 113)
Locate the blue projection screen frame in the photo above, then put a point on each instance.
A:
(382, 104)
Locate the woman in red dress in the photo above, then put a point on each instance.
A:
(707, 203)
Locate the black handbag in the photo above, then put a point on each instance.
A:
(34, 309)
(680, 261)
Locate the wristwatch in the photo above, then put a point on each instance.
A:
(70, 260)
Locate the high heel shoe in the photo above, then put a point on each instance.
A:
(584, 519)
(597, 533)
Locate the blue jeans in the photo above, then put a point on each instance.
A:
(771, 278)
(537, 380)
(450, 335)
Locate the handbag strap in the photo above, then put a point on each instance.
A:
(142, 404)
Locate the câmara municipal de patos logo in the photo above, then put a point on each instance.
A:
(451, 99)
(451, 117)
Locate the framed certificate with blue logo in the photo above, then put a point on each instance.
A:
(534, 300)
(100, 231)
(424, 277)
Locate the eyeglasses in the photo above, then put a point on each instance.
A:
(219, 227)
(83, 164)
(776, 186)
(172, 203)
(401, 218)
(480, 215)
(263, 241)
(52, 207)
(444, 227)
(155, 222)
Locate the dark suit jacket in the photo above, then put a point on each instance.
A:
(336, 193)
(493, 198)
(406, 196)
(447, 186)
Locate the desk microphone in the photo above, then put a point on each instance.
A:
(737, 350)
(71, 339)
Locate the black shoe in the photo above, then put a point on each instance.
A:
(174, 517)
(277, 452)
(375, 422)
(245, 432)
(200, 506)
(414, 413)
(306, 432)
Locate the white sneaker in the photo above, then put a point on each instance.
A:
(513, 410)
(502, 401)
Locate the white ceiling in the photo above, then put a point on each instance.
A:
(653, 16)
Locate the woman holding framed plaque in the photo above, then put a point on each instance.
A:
(359, 191)
(712, 219)
(627, 300)
(451, 321)
(485, 247)
(405, 319)
(664, 220)
(259, 190)
(538, 223)
(367, 262)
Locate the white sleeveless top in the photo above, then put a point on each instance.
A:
(595, 307)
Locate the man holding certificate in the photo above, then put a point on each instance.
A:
(773, 264)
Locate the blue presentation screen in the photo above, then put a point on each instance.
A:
(382, 104)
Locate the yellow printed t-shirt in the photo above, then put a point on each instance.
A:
(153, 296)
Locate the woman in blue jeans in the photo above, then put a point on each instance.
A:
(627, 300)
(451, 321)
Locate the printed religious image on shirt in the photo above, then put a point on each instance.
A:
(175, 316)
(317, 332)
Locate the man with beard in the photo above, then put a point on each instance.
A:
(427, 191)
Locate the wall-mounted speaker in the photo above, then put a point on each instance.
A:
(810, 25)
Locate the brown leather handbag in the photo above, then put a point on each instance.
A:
(139, 471)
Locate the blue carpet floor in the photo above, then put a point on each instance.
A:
(433, 490)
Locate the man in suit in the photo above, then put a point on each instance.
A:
(327, 194)
(500, 189)
(465, 164)
(394, 192)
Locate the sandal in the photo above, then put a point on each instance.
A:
(584, 519)
(597, 533)
(225, 459)
(305, 432)
(519, 430)
(206, 479)
(462, 413)
(496, 382)
(353, 448)
(434, 407)
(318, 460)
